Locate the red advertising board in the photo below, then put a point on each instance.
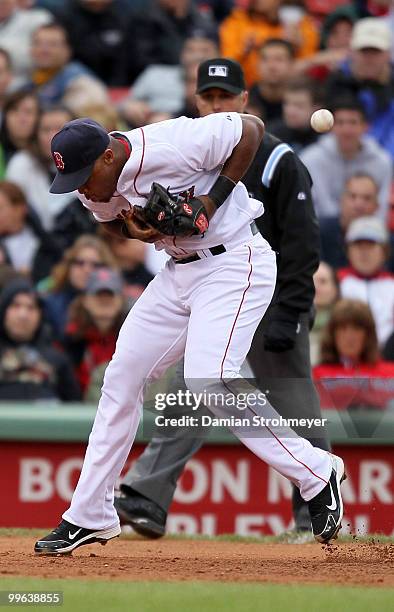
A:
(224, 489)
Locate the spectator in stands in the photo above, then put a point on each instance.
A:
(159, 29)
(95, 318)
(6, 76)
(161, 87)
(189, 108)
(33, 169)
(389, 20)
(58, 80)
(366, 278)
(19, 123)
(4, 257)
(300, 99)
(7, 272)
(20, 229)
(344, 152)
(275, 66)
(69, 278)
(359, 199)
(351, 370)
(16, 29)
(368, 74)
(243, 32)
(105, 114)
(97, 34)
(130, 256)
(335, 45)
(326, 294)
(61, 215)
(218, 9)
(30, 367)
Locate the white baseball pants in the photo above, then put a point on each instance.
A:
(208, 311)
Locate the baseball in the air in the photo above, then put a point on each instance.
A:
(322, 120)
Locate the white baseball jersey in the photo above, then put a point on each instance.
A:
(206, 310)
(186, 155)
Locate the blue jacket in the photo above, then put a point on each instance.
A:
(376, 98)
(53, 91)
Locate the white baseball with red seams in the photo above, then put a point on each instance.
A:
(206, 310)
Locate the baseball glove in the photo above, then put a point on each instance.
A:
(173, 215)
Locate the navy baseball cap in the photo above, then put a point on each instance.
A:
(223, 73)
(75, 150)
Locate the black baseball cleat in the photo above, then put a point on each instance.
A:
(66, 536)
(326, 508)
(145, 516)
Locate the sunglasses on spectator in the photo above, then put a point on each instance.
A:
(86, 262)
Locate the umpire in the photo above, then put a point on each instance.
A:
(279, 355)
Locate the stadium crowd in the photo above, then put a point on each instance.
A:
(66, 285)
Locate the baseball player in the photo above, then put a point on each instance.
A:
(177, 184)
(280, 348)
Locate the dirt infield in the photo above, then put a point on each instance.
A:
(125, 559)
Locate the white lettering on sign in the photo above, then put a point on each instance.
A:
(209, 524)
(276, 523)
(225, 479)
(375, 479)
(199, 487)
(358, 525)
(278, 487)
(182, 523)
(64, 485)
(348, 491)
(247, 524)
(35, 484)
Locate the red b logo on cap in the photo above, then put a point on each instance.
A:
(58, 160)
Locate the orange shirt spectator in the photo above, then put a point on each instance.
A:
(244, 30)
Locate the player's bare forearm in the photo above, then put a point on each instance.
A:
(124, 227)
(244, 153)
(115, 228)
(240, 159)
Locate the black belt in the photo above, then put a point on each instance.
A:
(216, 250)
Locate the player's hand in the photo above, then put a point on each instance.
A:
(281, 329)
(137, 227)
(208, 205)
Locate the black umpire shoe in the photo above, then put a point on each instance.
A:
(145, 516)
(326, 509)
(66, 536)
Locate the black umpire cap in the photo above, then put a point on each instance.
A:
(222, 73)
(75, 150)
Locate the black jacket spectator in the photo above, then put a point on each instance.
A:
(157, 33)
(98, 37)
(30, 367)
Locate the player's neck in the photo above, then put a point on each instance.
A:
(122, 154)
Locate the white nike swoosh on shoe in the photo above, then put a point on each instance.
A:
(333, 505)
(74, 535)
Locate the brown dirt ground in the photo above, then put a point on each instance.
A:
(124, 559)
